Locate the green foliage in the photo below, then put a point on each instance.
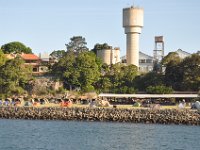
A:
(149, 79)
(191, 72)
(2, 58)
(159, 90)
(77, 45)
(14, 76)
(174, 76)
(58, 54)
(172, 57)
(15, 47)
(126, 90)
(117, 78)
(103, 84)
(82, 70)
(184, 75)
(101, 47)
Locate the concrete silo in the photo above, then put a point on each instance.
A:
(109, 56)
(115, 55)
(133, 23)
(105, 55)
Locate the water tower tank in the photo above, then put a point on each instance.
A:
(132, 23)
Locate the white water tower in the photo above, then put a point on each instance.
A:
(132, 23)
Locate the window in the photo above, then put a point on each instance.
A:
(35, 70)
(149, 60)
(142, 60)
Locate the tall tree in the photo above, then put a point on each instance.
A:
(184, 75)
(174, 75)
(57, 54)
(171, 57)
(82, 70)
(191, 72)
(88, 69)
(15, 47)
(77, 44)
(14, 76)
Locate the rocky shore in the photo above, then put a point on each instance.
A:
(165, 116)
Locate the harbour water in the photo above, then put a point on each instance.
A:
(78, 135)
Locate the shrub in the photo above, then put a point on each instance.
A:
(159, 89)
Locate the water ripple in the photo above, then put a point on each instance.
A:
(61, 135)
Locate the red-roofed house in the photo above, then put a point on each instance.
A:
(32, 60)
(30, 57)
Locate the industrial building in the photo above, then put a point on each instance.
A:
(133, 24)
(109, 56)
(145, 62)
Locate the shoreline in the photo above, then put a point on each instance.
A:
(147, 116)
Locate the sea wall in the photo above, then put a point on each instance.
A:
(165, 116)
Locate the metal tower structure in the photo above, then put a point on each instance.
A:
(158, 52)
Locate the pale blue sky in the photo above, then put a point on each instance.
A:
(46, 25)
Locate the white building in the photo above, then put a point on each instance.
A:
(182, 54)
(145, 62)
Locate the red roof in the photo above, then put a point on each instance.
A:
(30, 57)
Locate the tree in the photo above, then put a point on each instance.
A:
(82, 70)
(191, 72)
(58, 54)
(88, 69)
(173, 72)
(64, 68)
(103, 84)
(119, 78)
(14, 76)
(77, 45)
(184, 75)
(130, 72)
(171, 57)
(100, 47)
(15, 47)
(2, 58)
(174, 75)
(150, 79)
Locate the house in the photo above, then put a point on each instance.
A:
(32, 60)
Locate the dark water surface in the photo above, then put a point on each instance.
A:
(71, 135)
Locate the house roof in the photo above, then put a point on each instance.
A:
(145, 55)
(29, 57)
(141, 55)
(181, 51)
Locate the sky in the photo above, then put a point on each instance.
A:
(47, 25)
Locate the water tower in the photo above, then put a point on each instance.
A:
(132, 23)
